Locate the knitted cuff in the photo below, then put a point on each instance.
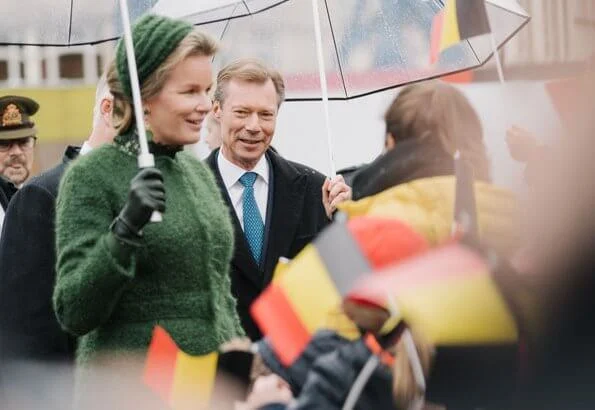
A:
(125, 233)
(123, 229)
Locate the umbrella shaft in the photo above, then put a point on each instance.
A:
(145, 158)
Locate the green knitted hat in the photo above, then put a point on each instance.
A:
(154, 38)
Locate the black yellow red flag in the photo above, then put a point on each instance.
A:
(459, 20)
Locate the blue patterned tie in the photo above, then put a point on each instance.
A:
(253, 225)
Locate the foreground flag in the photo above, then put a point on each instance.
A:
(448, 295)
(459, 20)
(307, 296)
(184, 381)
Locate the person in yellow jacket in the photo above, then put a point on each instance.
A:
(414, 180)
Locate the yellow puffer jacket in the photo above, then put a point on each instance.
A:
(427, 204)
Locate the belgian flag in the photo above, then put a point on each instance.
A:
(183, 381)
(307, 293)
(459, 20)
(449, 295)
(474, 310)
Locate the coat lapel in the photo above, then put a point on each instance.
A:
(288, 186)
(242, 259)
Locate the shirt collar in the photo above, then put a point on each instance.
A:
(231, 173)
(85, 149)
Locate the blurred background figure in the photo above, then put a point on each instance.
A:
(17, 140)
(414, 181)
(213, 132)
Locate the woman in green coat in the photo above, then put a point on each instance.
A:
(118, 274)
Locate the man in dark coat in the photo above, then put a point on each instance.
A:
(29, 331)
(285, 205)
(17, 139)
(27, 323)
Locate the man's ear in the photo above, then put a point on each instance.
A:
(217, 110)
(389, 141)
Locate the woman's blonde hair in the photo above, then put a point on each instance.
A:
(194, 44)
(437, 111)
(405, 388)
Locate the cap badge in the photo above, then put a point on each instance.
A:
(11, 116)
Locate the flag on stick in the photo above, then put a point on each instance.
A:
(448, 294)
(308, 295)
(457, 21)
(184, 381)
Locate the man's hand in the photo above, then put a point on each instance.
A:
(334, 191)
(269, 389)
(522, 144)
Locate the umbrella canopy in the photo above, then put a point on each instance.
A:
(77, 22)
(369, 45)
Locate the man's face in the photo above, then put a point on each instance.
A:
(16, 159)
(247, 118)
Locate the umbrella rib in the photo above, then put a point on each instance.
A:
(473, 51)
(70, 22)
(227, 23)
(509, 10)
(247, 8)
(217, 20)
(328, 16)
(379, 90)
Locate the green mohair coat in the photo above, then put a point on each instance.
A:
(178, 279)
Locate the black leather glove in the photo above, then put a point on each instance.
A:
(147, 194)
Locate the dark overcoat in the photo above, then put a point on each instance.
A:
(295, 214)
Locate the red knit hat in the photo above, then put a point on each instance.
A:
(385, 241)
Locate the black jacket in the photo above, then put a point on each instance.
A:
(325, 371)
(411, 159)
(7, 190)
(332, 376)
(295, 214)
(323, 342)
(28, 326)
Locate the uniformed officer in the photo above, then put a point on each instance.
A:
(17, 137)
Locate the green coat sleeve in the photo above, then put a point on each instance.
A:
(89, 279)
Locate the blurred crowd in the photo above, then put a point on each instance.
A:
(96, 253)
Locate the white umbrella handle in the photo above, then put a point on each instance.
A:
(323, 89)
(145, 158)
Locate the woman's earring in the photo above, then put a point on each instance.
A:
(147, 125)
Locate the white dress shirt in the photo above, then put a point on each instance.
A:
(85, 149)
(1, 219)
(231, 175)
